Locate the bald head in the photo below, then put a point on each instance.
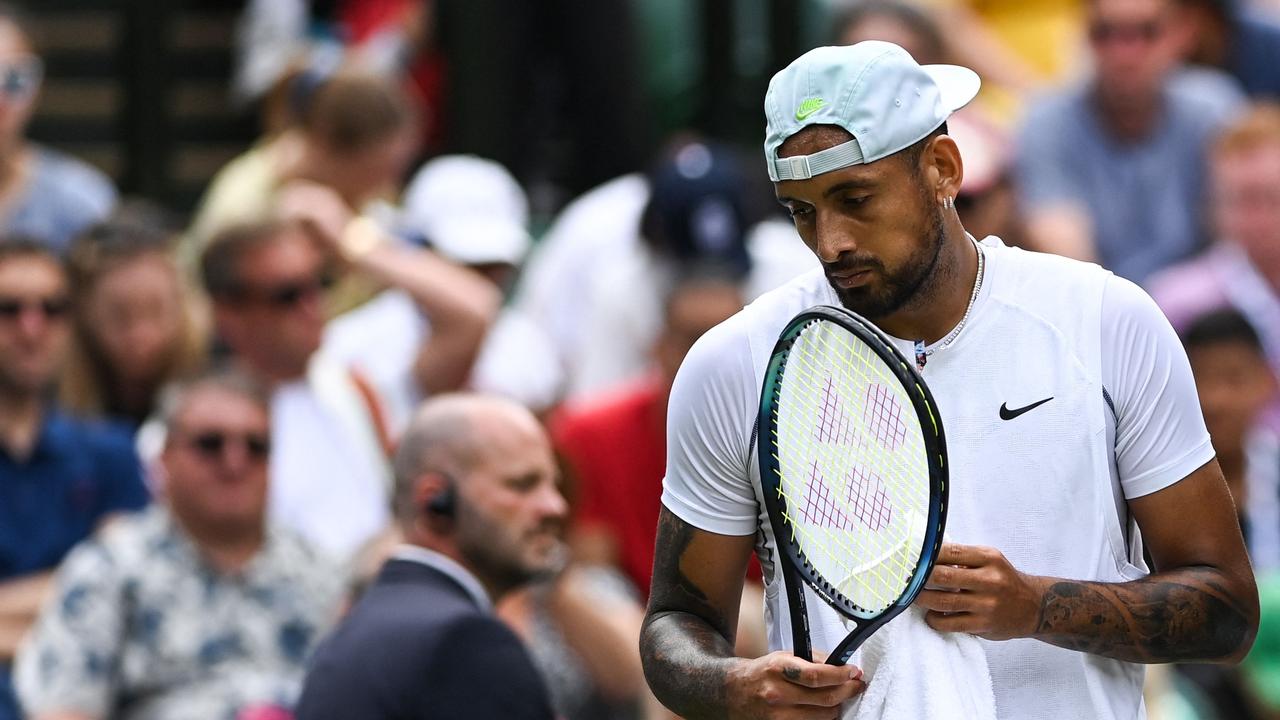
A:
(451, 434)
(493, 461)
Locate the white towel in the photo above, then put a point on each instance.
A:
(913, 671)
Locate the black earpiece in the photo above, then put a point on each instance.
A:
(442, 504)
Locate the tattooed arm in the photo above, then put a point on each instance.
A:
(686, 643)
(1200, 604)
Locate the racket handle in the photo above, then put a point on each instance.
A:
(801, 645)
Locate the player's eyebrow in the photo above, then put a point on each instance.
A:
(851, 184)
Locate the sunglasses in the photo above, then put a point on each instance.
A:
(1101, 32)
(288, 295)
(53, 308)
(20, 78)
(212, 444)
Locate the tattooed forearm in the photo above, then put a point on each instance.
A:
(686, 663)
(686, 643)
(1187, 614)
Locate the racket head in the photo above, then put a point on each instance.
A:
(853, 471)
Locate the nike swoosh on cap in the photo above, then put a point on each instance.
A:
(809, 107)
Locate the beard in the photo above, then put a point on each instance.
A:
(914, 280)
(501, 558)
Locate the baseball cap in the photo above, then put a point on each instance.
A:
(469, 209)
(874, 89)
(697, 211)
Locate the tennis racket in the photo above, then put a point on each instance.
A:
(854, 472)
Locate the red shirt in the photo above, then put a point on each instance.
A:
(616, 447)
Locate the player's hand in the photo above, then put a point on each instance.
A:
(781, 685)
(976, 590)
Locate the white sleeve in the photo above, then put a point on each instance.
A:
(709, 421)
(1160, 432)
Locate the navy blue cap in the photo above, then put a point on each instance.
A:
(697, 208)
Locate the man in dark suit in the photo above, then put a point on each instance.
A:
(477, 501)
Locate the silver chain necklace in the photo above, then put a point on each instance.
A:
(923, 353)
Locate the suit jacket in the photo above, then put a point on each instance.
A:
(417, 647)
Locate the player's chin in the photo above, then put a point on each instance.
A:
(866, 301)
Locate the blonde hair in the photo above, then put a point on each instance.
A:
(104, 247)
(1258, 127)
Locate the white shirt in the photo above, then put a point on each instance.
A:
(446, 565)
(330, 480)
(1047, 488)
(381, 339)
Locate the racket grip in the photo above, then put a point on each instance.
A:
(801, 645)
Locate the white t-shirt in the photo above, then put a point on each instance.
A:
(1047, 488)
(381, 339)
(330, 480)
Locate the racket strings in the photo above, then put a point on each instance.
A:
(843, 556)
(853, 495)
(862, 570)
(887, 465)
(883, 408)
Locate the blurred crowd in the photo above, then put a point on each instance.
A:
(199, 414)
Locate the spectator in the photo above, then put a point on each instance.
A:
(1240, 38)
(421, 335)
(1242, 267)
(330, 479)
(613, 446)
(1235, 385)
(136, 326)
(282, 46)
(329, 472)
(472, 211)
(1111, 171)
(356, 136)
(44, 193)
(59, 477)
(194, 608)
(477, 502)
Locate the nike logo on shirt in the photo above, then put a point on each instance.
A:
(1007, 414)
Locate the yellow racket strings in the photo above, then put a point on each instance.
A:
(853, 472)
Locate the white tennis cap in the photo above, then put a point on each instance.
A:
(469, 209)
(873, 89)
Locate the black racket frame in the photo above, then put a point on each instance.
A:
(795, 567)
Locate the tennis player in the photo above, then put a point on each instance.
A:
(1074, 433)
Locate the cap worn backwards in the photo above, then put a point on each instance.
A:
(873, 89)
